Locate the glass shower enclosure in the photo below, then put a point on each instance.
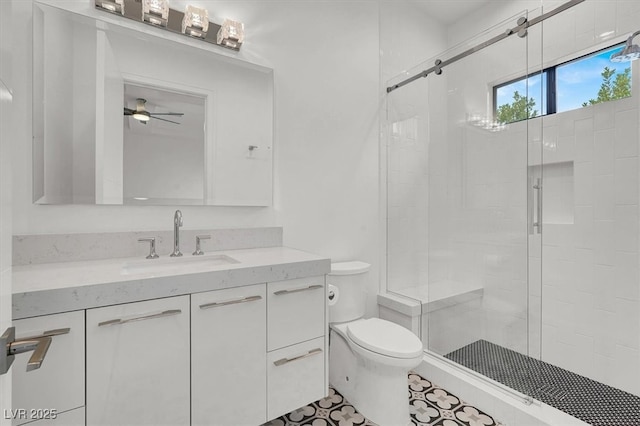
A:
(514, 230)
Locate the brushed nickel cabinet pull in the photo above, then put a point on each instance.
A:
(295, 290)
(141, 318)
(283, 361)
(230, 302)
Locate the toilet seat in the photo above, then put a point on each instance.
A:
(385, 338)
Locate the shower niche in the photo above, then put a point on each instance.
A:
(557, 192)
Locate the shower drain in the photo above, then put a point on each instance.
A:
(553, 392)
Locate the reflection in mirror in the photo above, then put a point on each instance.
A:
(88, 75)
(164, 155)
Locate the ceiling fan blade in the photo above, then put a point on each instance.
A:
(129, 111)
(179, 114)
(163, 119)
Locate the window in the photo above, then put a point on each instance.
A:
(521, 99)
(584, 81)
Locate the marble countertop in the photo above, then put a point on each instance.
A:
(50, 288)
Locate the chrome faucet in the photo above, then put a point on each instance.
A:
(177, 223)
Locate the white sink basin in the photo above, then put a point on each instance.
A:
(184, 264)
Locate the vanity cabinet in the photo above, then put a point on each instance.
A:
(53, 393)
(138, 366)
(237, 356)
(228, 356)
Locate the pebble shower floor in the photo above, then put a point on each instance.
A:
(429, 405)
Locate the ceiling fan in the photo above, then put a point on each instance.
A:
(141, 114)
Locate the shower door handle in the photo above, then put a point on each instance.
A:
(537, 220)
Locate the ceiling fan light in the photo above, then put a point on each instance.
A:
(141, 115)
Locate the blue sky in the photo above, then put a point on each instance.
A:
(576, 82)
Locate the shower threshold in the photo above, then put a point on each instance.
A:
(588, 400)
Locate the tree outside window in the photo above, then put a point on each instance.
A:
(582, 82)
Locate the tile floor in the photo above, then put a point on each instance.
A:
(593, 402)
(429, 405)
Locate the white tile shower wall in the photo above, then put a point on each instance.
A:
(407, 186)
(590, 303)
(590, 294)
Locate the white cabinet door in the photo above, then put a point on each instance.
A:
(228, 356)
(58, 385)
(138, 363)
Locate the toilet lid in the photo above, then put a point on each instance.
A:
(385, 338)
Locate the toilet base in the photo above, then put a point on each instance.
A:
(377, 391)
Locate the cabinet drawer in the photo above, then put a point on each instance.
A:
(296, 311)
(295, 377)
(59, 383)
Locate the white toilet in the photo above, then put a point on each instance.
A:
(368, 358)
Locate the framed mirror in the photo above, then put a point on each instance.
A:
(209, 134)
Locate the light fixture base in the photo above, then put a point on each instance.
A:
(112, 6)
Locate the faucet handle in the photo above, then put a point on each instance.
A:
(152, 246)
(198, 251)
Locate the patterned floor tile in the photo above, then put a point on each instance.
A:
(468, 415)
(429, 405)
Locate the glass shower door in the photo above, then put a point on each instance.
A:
(483, 204)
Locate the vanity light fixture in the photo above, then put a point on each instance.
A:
(155, 12)
(231, 34)
(114, 6)
(195, 22)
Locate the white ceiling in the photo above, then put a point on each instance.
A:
(449, 11)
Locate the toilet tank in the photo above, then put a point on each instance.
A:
(346, 283)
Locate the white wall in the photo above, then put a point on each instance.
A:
(327, 142)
